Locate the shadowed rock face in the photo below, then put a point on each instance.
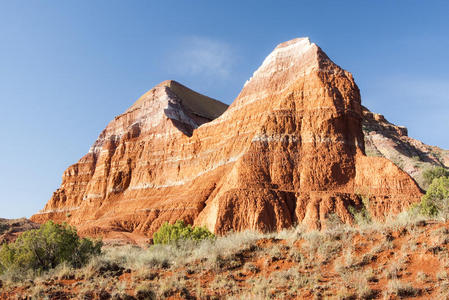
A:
(289, 149)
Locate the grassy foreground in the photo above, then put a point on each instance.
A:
(399, 259)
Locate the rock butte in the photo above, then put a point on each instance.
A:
(290, 149)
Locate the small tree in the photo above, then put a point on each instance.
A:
(44, 248)
(433, 173)
(436, 200)
(180, 231)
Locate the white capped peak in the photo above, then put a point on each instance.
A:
(283, 57)
(305, 41)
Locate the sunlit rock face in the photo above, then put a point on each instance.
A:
(290, 149)
(391, 141)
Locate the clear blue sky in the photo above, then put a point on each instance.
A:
(68, 67)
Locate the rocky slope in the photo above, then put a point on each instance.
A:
(11, 228)
(290, 149)
(390, 261)
(385, 139)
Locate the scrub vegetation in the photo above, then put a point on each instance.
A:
(38, 250)
(168, 234)
(406, 256)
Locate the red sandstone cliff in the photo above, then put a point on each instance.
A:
(289, 149)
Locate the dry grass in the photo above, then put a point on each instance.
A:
(401, 289)
(369, 262)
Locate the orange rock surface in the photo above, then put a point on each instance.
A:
(289, 149)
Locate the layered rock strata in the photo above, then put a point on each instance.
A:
(385, 139)
(290, 149)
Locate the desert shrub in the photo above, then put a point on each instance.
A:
(436, 200)
(403, 290)
(431, 174)
(42, 249)
(361, 213)
(168, 233)
(333, 221)
(145, 292)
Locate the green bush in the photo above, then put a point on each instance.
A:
(42, 249)
(361, 213)
(180, 231)
(436, 200)
(431, 174)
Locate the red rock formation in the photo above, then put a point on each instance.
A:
(10, 229)
(289, 149)
(385, 139)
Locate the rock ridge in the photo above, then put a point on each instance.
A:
(385, 139)
(290, 149)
